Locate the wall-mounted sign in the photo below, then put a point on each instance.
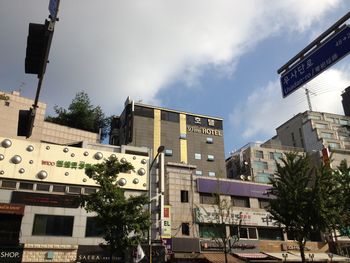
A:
(247, 218)
(11, 254)
(39, 199)
(166, 227)
(95, 254)
(14, 209)
(203, 130)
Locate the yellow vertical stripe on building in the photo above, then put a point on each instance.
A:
(183, 143)
(156, 131)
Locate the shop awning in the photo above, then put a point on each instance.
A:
(220, 258)
(321, 257)
(252, 255)
(290, 257)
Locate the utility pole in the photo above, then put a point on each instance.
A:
(37, 53)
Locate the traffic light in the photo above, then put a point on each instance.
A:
(37, 48)
(25, 122)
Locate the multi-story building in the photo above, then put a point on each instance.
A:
(40, 188)
(194, 212)
(12, 103)
(188, 138)
(257, 161)
(314, 131)
(346, 101)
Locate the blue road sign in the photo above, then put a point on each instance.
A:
(330, 52)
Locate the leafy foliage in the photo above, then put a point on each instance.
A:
(81, 114)
(123, 221)
(305, 198)
(342, 175)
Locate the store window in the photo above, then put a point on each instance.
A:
(51, 225)
(208, 199)
(270, 233)
(263, 203)
(240, 201)
(93, 229)
(211, 231)
(244, 232)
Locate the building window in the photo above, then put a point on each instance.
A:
(198, 172)
(211, 231)
(168, 152)
(260, 165)
(263, 178)
(327, 135)
(320, 125)
(9, 184)
(144, 112)
(50, 225)
(244, 232)
(259, 154)
(197, 156)
(26, 186)
(270, 233)
(210, 157)
(170, 116)
(74, 190)
(263, 203)
(7, 103)
(334, 145)
(89, 191)
(208, 199)
(210, 140)
(183, 136)
(59, 188)
(184, 196)
(185, 229)
(343, 122)
(275, 156)
(92, 228)
(43, 187)
(212, 174)
(240, 201)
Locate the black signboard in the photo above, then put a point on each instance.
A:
(95, 254)
(38, 199)
(11, 254)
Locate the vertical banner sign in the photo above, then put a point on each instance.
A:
(166, 233)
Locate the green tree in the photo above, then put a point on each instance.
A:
(123, 221)
(305, 198)
(343, 178)
(221, 216)
(81, 114)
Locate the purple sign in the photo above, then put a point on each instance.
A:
(236, 188)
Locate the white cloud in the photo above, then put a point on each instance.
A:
(113, 49)
(265, 109)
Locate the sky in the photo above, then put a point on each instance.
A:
(218, 58)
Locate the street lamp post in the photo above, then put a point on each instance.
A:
(330, 255)
(159, 151)
(285, 255)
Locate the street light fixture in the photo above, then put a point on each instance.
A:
(285, 255)
(159, 151)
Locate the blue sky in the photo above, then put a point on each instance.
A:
(216, 58)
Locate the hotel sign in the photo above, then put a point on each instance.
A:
(204, 130)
